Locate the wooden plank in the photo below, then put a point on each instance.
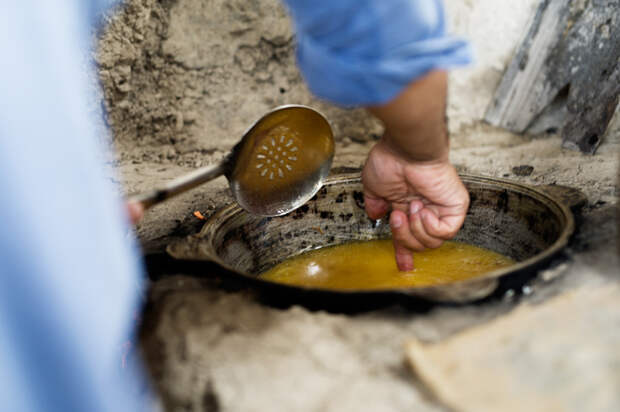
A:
(571, 50)
(595, 85)
(526, 88)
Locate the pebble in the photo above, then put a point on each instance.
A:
(124, 87)
(169, 152)
(123, 104)
(523, 170)
(190, 117)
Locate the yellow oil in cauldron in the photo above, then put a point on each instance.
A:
(371, 265)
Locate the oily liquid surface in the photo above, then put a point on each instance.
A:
(371, 265)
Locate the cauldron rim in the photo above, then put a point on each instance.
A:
(488, 284)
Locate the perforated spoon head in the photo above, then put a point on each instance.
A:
(281, 161)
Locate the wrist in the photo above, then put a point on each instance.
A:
(412, 151)
(415, 121)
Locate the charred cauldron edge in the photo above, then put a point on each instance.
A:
(558, 201)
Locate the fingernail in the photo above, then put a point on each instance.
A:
(405, 264)
(415, 208)
(397, 222)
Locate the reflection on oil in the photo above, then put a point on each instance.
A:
(282, 151)
(371, 265)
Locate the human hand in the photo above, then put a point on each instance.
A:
(427, 199)
(135, 210)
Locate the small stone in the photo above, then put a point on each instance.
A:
(523, 170)
(169, 152)
(190, 116)
(605, 33)
(121, 76)
(245, 59)
(123, 104)
(527, 290)
(124, 87)
(263, 76)
(123, 70)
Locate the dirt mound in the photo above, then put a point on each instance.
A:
(183, 79)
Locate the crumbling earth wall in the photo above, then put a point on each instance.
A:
(187, 77)
(184, 78)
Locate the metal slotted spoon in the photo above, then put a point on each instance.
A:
(278, 165)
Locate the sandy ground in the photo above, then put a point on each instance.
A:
(183, 79)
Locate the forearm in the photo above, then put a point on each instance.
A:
(366, 52)
(415, 122)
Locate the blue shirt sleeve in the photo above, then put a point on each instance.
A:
(364, 52)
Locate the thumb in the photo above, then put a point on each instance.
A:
(375, 207)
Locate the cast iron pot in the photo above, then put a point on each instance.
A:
(529, 224)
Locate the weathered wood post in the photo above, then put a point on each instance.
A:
(567, 69)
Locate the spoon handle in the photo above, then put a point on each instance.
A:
(179, 185)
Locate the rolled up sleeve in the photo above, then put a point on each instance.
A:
(364, 52)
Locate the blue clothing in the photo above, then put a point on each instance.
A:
(69, 277)
(364, 52)
(69, 274)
